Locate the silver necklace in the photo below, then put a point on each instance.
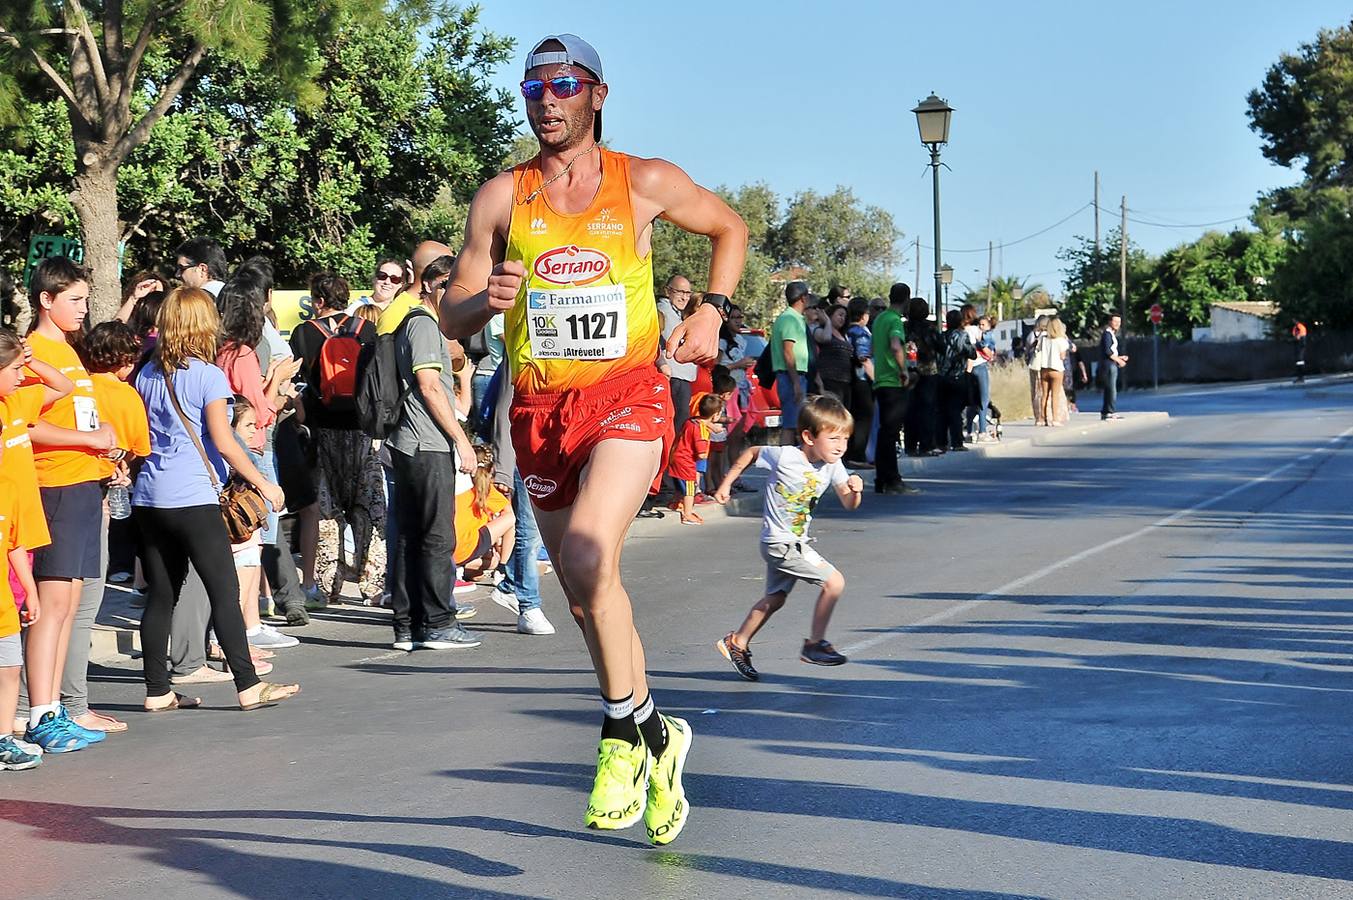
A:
(553, 178)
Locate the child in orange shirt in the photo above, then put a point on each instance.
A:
(485, 524)
(14, 754)
(70, 474)
(22, 528)
(110, 352)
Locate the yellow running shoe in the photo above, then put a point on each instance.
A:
(666, 813)
(617, 799)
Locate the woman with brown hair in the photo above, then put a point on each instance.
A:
(175, 498)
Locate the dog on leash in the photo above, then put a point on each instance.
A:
(994, 421)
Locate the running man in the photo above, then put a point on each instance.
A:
(562, 245)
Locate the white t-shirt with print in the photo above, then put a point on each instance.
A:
(793, 489)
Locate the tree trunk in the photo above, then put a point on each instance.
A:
(95, 199)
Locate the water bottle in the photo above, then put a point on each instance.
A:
(119, 502)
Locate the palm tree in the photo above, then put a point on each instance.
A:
(1003, 302)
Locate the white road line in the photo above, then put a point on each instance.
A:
(1011, 586)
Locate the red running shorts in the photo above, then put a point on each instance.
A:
(554, 434)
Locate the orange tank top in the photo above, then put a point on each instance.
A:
(586, 311)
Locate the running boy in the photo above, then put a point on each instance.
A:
(692, 449)
(799, 476)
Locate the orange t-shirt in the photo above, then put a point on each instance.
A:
(18, 477)
(470, 518)
(9, 613)
(79, 410)
(123, 408)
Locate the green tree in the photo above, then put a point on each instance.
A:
(405, 128)
(1090, 283)
(93, 56)
(1216, 268)
(1003, 303)
(838, 240)
(1301, 113)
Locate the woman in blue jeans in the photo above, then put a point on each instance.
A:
(979, 333)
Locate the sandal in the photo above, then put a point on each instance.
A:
(271, 695)
(179, 701)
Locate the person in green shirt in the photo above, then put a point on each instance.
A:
(890, 390)
(789, 356)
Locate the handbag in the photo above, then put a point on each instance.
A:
(242, 505)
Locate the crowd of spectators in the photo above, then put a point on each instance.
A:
(192, 390)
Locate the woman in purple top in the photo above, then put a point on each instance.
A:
(175, 502)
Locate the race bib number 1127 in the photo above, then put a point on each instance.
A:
(577, 323)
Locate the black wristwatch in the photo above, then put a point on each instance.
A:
(719, 302)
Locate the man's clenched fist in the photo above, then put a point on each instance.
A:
(504, 283)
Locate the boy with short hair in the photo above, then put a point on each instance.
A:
(110, 352)
(799, 476)
(689, 451)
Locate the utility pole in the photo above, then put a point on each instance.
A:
(918, 264)
(990, 251)
(1096, 269)
(1122, 266)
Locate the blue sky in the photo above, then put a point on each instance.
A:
(811, 95)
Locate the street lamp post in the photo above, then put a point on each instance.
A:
(932, 119)
(1016, 295)
(946, 279)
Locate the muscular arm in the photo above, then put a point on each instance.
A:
(464, 308)
(662, 190)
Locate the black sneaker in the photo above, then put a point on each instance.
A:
(741, 659)
(403, 640)
(453, 638)
(899, 488)
(821, 654)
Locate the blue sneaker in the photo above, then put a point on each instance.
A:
(52, 735)
(90, 735)
(14, 758)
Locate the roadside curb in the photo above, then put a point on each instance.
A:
(1082, 426)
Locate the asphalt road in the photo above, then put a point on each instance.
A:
(1115, 668)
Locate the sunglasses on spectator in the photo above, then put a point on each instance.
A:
(563, 87)
(386, 276)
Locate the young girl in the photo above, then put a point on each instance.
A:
(249, 559)
(22, 529)
(485, 525)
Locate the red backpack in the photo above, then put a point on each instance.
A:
(339, 363)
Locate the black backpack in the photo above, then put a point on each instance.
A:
(765, 369)
(380, 392)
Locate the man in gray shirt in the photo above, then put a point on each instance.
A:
(421, 447)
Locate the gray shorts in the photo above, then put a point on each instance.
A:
(788, 564)
(11, 651)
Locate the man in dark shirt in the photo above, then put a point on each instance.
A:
(1111, 362)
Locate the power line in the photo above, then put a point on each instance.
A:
(1027, 237)
(1185, 225)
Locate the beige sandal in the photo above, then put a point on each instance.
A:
(272, 694)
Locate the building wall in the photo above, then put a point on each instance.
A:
(1229, 325)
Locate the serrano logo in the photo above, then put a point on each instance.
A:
(572, 265)
(540, 487)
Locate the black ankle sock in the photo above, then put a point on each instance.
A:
(618, 722)
(651, 725)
